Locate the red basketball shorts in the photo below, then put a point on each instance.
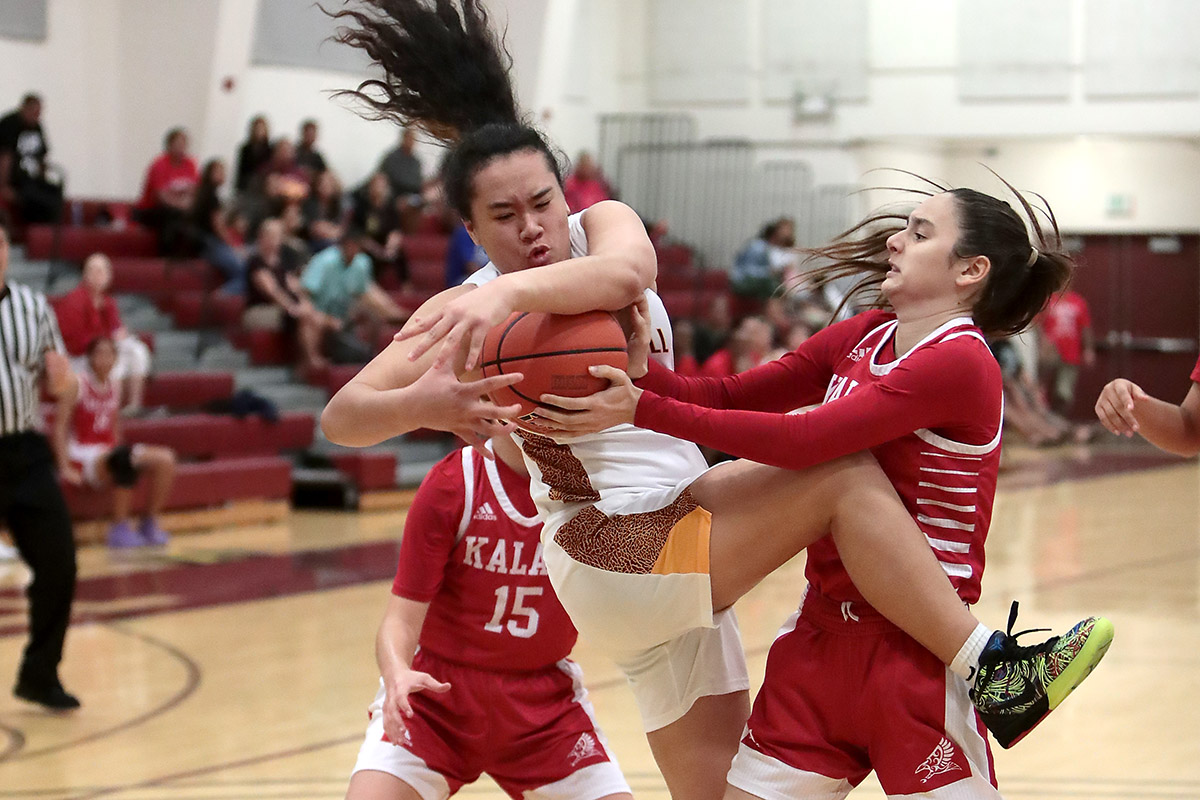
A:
(846, 692)
(532, 732)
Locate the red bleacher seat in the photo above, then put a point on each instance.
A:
(218, 436)
(427, 274)
(266, 347)
(412, 299)
(430, 246)
(187, 389)
(77, 242)
(674, 256)
(200, 309)
(677, 279)
(207, 484)
(369, 471)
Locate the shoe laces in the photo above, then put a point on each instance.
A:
(1012, 650)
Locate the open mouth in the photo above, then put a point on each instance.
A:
(539, 256)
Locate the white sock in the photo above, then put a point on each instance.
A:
(966, 661)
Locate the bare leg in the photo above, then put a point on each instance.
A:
(136, 391)
(369, 784)
(763, 516)
(160, 463)
(695, 751)
(309, 333)
(122, 500)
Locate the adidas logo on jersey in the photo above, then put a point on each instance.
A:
(485, 512)
(584, 748)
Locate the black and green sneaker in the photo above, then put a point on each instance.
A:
(1018, 686)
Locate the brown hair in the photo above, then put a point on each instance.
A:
(1023, 276)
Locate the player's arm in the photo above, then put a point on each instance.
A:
(395, 394)
(395, 645)
(620, 266)
(1125, 409)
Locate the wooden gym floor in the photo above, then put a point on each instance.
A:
(239, 663)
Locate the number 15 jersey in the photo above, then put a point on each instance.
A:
(472, 550)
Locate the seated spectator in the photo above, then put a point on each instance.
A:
(585, 186)
(275, 299)
(1025, 407)
(324, 212)
(463, 256)
(169, 192)
(750, 345)
(283, 181)
(221, 228)
(683, 341)
(759, 268)
(308, 157)
(714, 329)
(25, 180)
(253, 153)
(88, 443)
(376, 214)
(88, 312)
(402, 168)
(338, 281)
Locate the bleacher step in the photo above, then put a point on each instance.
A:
(255, 377)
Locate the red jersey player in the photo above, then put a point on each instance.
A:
(88, 441)
(846, 691)
(490, 688)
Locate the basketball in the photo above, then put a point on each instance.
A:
(553, 352)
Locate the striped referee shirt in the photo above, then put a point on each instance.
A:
(28, 329)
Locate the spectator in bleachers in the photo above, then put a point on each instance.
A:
(1025, 408)
(463, 256)
(750, 345)
(339, 283)
(169, 192)
(683, 335)
(89, 312)
(324, 211)
(25, 180)
(253, 153)
(759, 267)
(713, 330)
(376, 213)
(284, 181)
(88, 441)
(307, 155)
(402, 167)
(585, 186)
(1067, 344)
(220, 228)
(275, 298)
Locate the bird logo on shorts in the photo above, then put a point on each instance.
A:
(584, 748)
(940, 761)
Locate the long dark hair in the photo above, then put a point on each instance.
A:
(444, 70)
(1028, 263)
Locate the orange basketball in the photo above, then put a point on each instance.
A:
(553, 353)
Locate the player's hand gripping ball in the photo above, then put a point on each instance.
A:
(553, 352)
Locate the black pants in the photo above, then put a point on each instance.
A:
(32, 504)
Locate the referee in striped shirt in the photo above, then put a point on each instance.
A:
(31, 502)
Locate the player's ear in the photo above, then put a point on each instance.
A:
(973, 271)
(471, 231)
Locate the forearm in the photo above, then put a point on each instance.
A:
(360, 415)
(1167, 426)
(608, 282)
(395, 645)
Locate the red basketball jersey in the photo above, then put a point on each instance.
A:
(95, 418)
(931, 417)
(945, 475)
(472, 550)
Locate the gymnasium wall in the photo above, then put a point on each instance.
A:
(1093, 107)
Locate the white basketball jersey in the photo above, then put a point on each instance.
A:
(615, 465)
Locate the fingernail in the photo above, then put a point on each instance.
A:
(594, 370)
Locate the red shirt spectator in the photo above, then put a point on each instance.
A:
(81, 319)
(585, 186)
(172, 177)
(1067, 323)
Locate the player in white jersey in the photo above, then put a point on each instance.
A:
(647, 563)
